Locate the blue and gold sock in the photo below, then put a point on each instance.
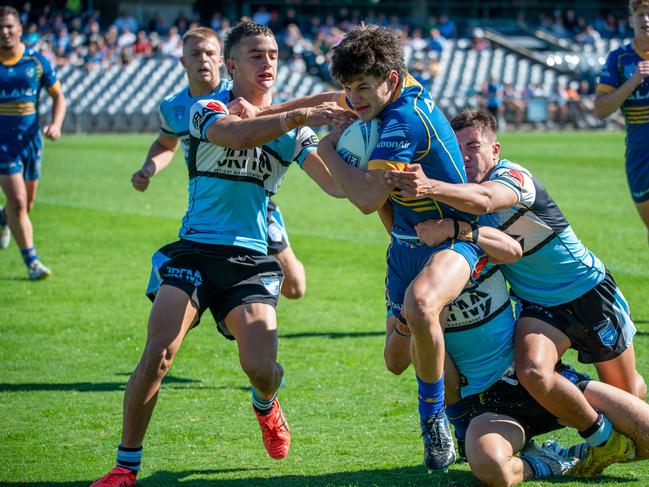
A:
(459, 417)
(29, 255)
(431, 397)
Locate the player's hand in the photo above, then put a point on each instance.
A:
(141, 178)
(242, 108)
(52, 132)
(434, 232)
(641, 72)
(327, 113)
(412, 181)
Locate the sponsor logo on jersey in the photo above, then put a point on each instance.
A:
(480, 265)
(393, 144)
(517, 176)
(394, 129)
(216, 106)
(469, 307)
(349, 157)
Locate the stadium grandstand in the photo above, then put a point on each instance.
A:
(533, 63)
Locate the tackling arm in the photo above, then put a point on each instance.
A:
(317, 171)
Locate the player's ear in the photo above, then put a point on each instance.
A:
(182, 61)
(393, 78)
(496, 150)
(230, 65)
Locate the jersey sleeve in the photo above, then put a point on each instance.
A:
(396, 147)
(306, 141)
(165, 127)
(519, 181)
(48, 77)
(609, 77)
(203, 114)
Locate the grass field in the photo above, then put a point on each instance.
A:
(68, 344)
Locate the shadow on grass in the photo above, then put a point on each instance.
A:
(379, 478)
(170, 382)
(332, 334)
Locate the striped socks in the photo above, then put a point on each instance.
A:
(130, 458)
(29, 255)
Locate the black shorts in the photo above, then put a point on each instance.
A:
(598, 324)
(217, 277)
(512, 399)
(277, 236)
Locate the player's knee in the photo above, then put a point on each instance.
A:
(490, 468)
(534, 375)
(156, 362)
(17, 204)
(421, 309)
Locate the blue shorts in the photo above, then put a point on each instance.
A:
(406, 259)
(21, 154)
(637, 173)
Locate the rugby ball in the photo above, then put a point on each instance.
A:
(357, 142)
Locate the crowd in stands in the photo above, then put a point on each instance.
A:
(86, 40)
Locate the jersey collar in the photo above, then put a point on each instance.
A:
(642, 54)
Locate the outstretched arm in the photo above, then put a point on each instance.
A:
(500, 247)
(159, 156)
(476, 199)
(244, 109)
(317, 171)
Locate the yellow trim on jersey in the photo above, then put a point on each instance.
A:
(343, 103)
(416, 204)
(10, 61)
(55, 88)
(386, 165)
(601, 88)
(642, 54)
(17, 108)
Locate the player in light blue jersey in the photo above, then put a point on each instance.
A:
(202, 61)
(23, 73)
(220, 261)
(568, 298)
(369, 63)
(624, 83)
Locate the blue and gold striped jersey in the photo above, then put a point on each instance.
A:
(416, 131)
(21, 79)
(620, 66)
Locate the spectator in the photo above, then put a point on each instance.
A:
(436, 41)
(515, 106)
(447, 26)
(142, 46)
(478, 41)
(126, 39)
(589, 36)
(126, 20)
(261, 16)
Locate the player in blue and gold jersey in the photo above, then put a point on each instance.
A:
(421, 281)
(624, 83)
(23, 72)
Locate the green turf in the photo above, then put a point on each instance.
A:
(69, 343)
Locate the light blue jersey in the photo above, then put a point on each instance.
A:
(229, 188)
(479, 333)
(174, 111)
(556, 267)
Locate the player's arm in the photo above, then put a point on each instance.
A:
(476, 199)
(317, 171)
(500, 247)
(608, 102)
(160, 155)
(59, 107)
(244, 109)
(386, 214)
(367, 190)
(237, 133)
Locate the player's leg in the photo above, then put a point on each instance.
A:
(456, 410)
(538, 348)
(621, 372)
(15, 191)
(643, 211)
(637, 174)
(255, 328)
(439, 282)
(492, 441)
(172, 315)
(31, 185)
(397, 345)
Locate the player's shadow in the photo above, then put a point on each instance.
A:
(411, 476)
(170, 382)
(332, 334)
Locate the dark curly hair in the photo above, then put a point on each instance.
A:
(475, 117)
(244, 28)
(368, 51)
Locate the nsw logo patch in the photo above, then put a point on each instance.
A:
(607, 333)
(272, 284)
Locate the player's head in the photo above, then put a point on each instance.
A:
(475, 130)
(10, 27)
(251, 55)
(369, 63)
(202, 57)
(639, 18)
